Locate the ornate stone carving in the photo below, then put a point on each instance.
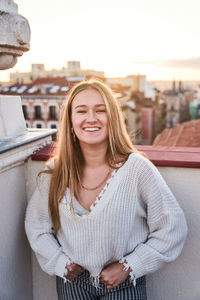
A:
(14, 34)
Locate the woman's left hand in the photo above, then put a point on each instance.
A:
(113, 274)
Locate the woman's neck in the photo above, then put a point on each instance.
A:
(94, 156)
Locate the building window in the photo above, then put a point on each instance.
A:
(172, 108)
(54, 136)
(38, 125)
(27, 125)
(53, 126)
(38, 112)
(25, 111)
(138, 119)
(52, 112)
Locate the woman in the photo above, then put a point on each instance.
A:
(102, 217)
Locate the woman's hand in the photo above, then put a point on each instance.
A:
(113, 275)
(74, 270)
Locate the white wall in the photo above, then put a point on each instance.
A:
(44, 286)
(179, 280)
(15, 256)
(15, 253)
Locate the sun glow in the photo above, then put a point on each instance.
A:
(117, 37)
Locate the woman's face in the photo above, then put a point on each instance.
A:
(89, 118)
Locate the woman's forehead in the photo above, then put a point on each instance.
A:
(88, 97)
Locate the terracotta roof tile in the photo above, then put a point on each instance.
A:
(186, 134)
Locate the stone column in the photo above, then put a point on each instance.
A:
(17, 144)
(14, 34)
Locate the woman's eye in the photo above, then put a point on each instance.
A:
(81, 111)
(101, 110)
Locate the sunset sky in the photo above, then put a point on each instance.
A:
(159, 38)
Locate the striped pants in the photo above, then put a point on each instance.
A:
(82, 289)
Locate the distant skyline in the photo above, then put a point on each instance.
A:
(157, 38)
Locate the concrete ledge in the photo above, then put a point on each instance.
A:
(160, 156)
(187, 157)
(26, 137)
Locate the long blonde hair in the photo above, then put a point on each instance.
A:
(68, 160)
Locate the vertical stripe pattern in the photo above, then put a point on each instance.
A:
(82, 289)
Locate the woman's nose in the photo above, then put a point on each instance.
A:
(91, 116)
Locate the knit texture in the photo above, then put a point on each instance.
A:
(137, 220)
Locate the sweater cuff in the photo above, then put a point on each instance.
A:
(134, 263)
(60, 269)
(131, 273)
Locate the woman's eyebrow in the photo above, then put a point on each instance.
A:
(82, 105)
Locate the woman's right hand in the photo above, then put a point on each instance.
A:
(74, 270)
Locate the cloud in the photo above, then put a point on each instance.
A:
(191, 63)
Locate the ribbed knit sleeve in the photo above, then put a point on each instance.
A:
(166, 222)
(39, 231)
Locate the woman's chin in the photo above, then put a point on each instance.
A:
(93, 142)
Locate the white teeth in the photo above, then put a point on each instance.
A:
(91, 129)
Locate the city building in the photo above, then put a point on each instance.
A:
(177, 102)
(42, 100)
(133, 83)
(147, 120)
(194, 104)
(73, 69)
(143, 110)
(132, 116)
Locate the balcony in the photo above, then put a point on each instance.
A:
(21, 277)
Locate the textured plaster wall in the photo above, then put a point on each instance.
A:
(179, 280)
(12, 121)
(15, 255)
(44, 286)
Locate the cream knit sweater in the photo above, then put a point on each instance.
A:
(137, 220)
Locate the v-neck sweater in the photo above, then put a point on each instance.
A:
(137, 221)
(78, 208)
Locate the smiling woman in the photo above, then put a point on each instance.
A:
(102, 216)
(89, 118)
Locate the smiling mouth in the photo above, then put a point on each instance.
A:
(90, 129)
